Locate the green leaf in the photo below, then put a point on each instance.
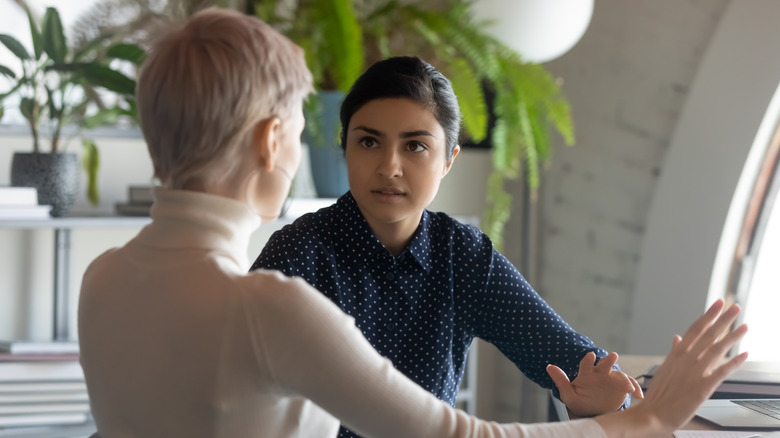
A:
(28, 108)
(345, 41)
(103, 117)
(91, 163)
(128, 52)
(15, 47)
(99, 75)
(35, 34)
(2, 112)
(54, 43)
(468, 89)
(108, 78)
(5, 71)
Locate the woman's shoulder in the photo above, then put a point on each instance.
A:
(273, 293)
(270, 284)
(460, 231)
(310, 226)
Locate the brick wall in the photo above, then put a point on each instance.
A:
(626, 80)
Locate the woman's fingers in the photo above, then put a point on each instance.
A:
(720, 348)
(700, 325)
(716, 330)
(637, 392)
(607, 362)
(721, 372)
(561, 380)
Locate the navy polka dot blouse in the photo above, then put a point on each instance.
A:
(423, 308)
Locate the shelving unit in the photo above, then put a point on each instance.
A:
(62, 229)
(62, 250)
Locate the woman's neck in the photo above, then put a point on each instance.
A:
(395, 236)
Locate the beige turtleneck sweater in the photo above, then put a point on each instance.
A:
(177, 340)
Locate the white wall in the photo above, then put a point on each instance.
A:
(732, 109)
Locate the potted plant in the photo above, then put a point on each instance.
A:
(59, 86)
(331, 36)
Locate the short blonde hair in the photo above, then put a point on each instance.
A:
(206, 84)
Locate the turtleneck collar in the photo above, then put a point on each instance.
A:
(188, 219)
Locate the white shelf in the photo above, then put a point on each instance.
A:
(62, 227)
(298, 207)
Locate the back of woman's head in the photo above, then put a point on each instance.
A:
(411, 78)
(206, 84)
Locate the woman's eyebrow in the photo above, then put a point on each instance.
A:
(416, 134)
(369, 130)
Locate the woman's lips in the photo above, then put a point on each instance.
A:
(388, 194)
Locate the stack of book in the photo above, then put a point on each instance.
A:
(21, 203)
(41, 384)
(139, 203)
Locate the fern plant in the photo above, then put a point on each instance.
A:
(527, 100)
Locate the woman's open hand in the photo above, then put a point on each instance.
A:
(689, 375)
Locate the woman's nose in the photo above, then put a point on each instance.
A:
(390, 164)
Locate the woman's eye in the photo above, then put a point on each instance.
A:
(416, 146)
(368, 142)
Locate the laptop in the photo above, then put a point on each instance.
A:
(742, 414)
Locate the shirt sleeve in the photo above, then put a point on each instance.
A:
(515, 319)
(314, 350)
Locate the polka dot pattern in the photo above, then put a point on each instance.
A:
(423, 308)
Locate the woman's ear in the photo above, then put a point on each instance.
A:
(265, 142)
(448, 164)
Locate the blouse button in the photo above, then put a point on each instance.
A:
(390, 326)
(389, 276)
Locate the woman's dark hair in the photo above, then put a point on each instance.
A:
(411, 78)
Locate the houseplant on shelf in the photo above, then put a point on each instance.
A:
(330, 34)
(58, 86)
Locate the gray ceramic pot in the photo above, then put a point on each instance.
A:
(328, 168)
(56, 176)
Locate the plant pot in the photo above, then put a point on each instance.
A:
(55, 175)
(328, 167)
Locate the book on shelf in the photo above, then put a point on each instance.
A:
(42, 387)
(25, 211)
(39, 347)
(140, 195)
(44, 397)
(18, 196)
(41, 371)
(752, 379)
(38, 357)
(44, 419)
(43, 408)
(140, 200)
(127, 209)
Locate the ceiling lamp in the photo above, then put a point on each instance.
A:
(540, 30)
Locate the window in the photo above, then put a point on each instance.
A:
(755, 277)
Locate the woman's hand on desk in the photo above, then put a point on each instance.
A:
(597, 389)
(688, 376)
